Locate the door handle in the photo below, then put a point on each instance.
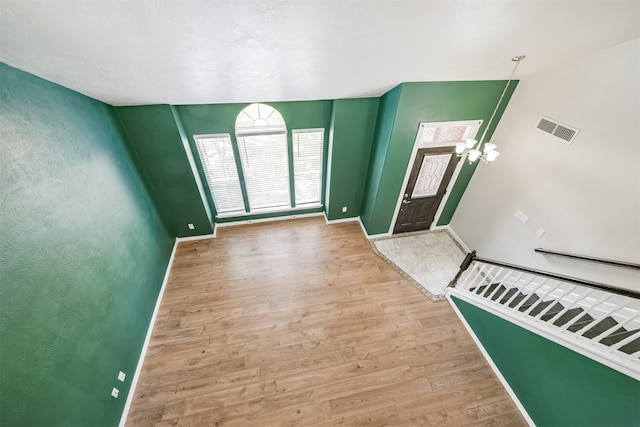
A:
(406, 202)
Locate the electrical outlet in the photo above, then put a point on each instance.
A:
(122, 376)
(344, 209)
(191, 227)
(115, 393)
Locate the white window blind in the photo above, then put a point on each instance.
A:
(267, 166)
(266, 170)
(307, 165)
(220, 170)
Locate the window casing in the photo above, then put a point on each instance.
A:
(264, 168)
(308, 147)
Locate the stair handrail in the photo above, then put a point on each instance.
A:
(613, 262)
(472, 256)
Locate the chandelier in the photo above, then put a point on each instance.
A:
(489, 152)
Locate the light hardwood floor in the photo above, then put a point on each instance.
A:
(297, 322)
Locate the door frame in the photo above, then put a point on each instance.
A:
(474, 126)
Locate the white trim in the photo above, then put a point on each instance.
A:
(373, 236)
(136, 376)
(454, 235)
(266, 211)
(447, 193)
(212, 135)
(191, 238)
(327, 177)
(276, 218)
(337, 221)
(260, 129)
(495, 369)
(307, 130)
(471, 133)
(592, 352)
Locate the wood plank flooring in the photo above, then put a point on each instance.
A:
(299, 323)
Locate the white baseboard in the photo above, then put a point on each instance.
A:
(337, 221)
(191, 238)
(373, 236)
(504, 382)
(455, 236)
(136, 376)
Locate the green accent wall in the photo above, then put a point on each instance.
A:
(401, 111)
(82, 257)
(159, 153)
(372, 140)
(557, 386)
(191, 157)
(156, 131)
(352, 127)
(384, 128)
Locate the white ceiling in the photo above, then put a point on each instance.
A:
(130, 52)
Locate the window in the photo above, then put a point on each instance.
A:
(307, 164)
(445, 133)
(266, 170)
(262, 170)
(218, 162)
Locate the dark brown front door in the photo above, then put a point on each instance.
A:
(430, 176)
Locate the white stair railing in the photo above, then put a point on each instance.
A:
(598, 321)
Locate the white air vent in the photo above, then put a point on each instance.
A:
(552, 127)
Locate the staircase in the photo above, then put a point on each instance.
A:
(600, 323)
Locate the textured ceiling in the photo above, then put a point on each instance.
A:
(191, 52)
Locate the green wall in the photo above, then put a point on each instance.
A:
(352, 125)
(154, 132)
(557, 386)
(384, 127)
(159, 153)
(401, 111)
(221, 118)
(82, 257)
(372, 140)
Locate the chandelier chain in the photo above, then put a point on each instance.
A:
(517, 60)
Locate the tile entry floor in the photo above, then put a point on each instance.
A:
(429, 259)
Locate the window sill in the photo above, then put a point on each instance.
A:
(267, 211)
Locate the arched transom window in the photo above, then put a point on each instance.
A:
(264, 168)
(260, 118)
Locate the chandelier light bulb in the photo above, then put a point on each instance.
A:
(492, 155)
(489, 147)
(474, 155)
(489, 153)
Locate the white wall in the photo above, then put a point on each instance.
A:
(585, 195)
